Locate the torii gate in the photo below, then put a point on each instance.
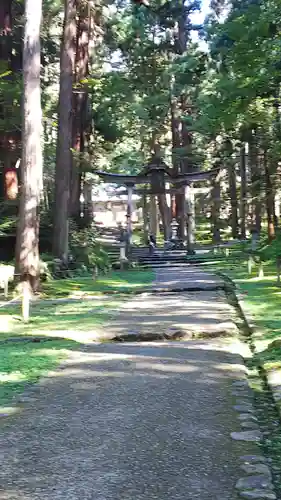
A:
(156, 174)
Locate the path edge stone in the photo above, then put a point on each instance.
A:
(272, 376)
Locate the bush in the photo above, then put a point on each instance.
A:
(87, 253)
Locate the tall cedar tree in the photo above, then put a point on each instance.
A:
(27, 256)
(64, 142)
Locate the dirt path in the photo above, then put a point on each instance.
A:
(142, 421)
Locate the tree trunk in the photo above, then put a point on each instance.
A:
(277, 211)
(255, 183)
(88, 203)
(233, 199)
(27, 251)
(243, 192)
(270, 208)
(177, 200)
(180, 212)
(80, 106)
(185, 134)
(10, 134)
(175, 129)
(64, 142)
(215, 209)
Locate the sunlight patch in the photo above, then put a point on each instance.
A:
(6, 323)
(12, 377)
(77, 335)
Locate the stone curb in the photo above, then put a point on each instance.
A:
(273, 376)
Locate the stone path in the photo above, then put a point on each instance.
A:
(141, 421)
(187, 277)
(201, 312)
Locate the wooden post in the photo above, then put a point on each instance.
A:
(250, 264)
(25, 304)
(243, 191)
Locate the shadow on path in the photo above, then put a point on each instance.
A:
(129, 422)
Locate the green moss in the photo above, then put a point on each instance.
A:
(262, 300)
(22, 363)
(56, 328)
(115, 281)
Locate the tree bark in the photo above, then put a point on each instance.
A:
(27, 251)
(233, 198)
(176, 142)
(80, 105)
(270, 207)
(185, 134)
(255, 183)
(177, 200)
(243, 192)
(64, 141)
(10, 136)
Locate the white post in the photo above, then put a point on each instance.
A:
(122, 253)
(25, 304)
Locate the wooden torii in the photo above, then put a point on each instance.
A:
(156, 174)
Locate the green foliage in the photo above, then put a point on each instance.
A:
(272, 250)
(87, 253)
(132, 101)
(22, 363)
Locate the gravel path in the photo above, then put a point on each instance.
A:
(135, 421)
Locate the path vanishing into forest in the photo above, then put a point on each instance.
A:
(159, 420)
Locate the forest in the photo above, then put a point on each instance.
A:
(89, 85)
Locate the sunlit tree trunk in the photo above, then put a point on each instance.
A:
(243, 192)
(270, 207)
(185, 134)
(215, 209)
(255, 183)
(233, 199)
(64, 141)
(27, 252)
(80, 104)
